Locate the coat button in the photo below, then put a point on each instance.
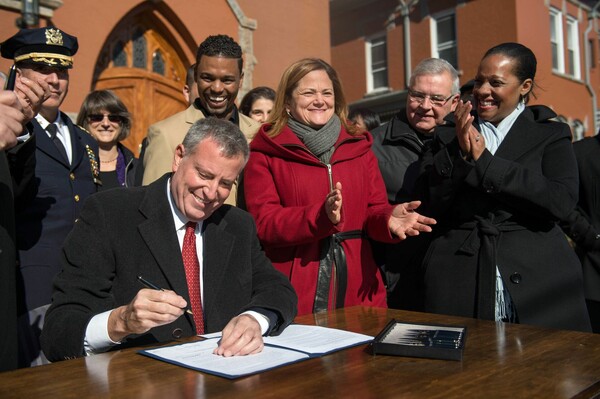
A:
(76, 198)
(444, 171)
(515, 278)
(177, 333)
(72, 176)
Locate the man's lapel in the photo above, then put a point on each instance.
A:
(44, 143)
(218, 246)
(78, 149)
(158, 231)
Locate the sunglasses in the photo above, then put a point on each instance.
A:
(96, 118)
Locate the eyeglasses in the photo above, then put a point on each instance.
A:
(97, 118)
(436, 101)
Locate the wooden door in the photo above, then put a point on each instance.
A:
(147, 74)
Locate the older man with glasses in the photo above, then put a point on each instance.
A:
(432, 94)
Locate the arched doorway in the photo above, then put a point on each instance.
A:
(144, 65)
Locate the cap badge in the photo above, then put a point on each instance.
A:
(54, 37)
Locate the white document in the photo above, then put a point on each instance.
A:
(316, 340)
(296, 343)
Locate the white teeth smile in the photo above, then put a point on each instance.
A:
(200, 200)
(487, 103)
(217, 99)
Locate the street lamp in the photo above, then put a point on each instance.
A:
(30, 14)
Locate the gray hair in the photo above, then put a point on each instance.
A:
(436, 66)
(229, 138)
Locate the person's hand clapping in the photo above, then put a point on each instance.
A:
(11, 119)
(333, 204)
(471, 142)
(406, 222)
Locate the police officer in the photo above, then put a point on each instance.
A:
(66, 173)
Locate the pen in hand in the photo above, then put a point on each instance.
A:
(152, 286)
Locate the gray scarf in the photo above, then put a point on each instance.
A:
(320, 142)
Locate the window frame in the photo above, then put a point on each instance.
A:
(556, 20)
(573, 68)
(379, 39)
(436, 46)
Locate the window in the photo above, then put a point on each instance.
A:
(377, 76)
(443, 35)
(577, 130)
(140, 49)
(592, 54)
(119, 55)
(573, 67)
(556, 40)
(158, 63)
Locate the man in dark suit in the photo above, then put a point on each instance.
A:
(17, 159)
(98, 302)
(66, 173)
(583, 223)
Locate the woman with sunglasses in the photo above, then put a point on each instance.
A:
(106, 118)
(498, 181)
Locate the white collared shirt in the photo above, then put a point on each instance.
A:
(62, 133)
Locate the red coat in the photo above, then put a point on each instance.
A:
(285, 188)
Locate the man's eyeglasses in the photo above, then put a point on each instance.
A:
(436, 101)
(96, 118)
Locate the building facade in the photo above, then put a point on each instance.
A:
(142, 49)
(376, 43)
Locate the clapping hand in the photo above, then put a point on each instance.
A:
(333, 204)
(472, 143)
(406, 222)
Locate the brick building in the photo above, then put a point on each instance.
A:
(142, 49)
(376, 43)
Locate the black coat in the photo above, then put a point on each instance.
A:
(16, 178)
(583, 224)
(129, 232)
(398, 148)
(502, 211)
(131, 165)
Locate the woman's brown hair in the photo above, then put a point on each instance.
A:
(289, 81)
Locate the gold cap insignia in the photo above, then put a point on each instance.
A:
(54, 37)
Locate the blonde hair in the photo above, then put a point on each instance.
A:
(289, 81)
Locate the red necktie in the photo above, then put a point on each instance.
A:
(192, 274)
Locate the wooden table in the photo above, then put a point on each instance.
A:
(500, 361)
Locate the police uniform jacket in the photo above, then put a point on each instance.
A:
(43, 223)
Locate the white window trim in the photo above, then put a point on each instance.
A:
(369, 65)
(433, 32)
(560, 44)
(573, 44)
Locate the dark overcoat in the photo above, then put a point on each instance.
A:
(502, 210)
(43, 222)
(14, 187)
(583, 224)
(129, 232)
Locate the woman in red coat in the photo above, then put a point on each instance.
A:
(315, 190)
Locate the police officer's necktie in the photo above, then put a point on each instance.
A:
(53, 129)
(192, 274)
